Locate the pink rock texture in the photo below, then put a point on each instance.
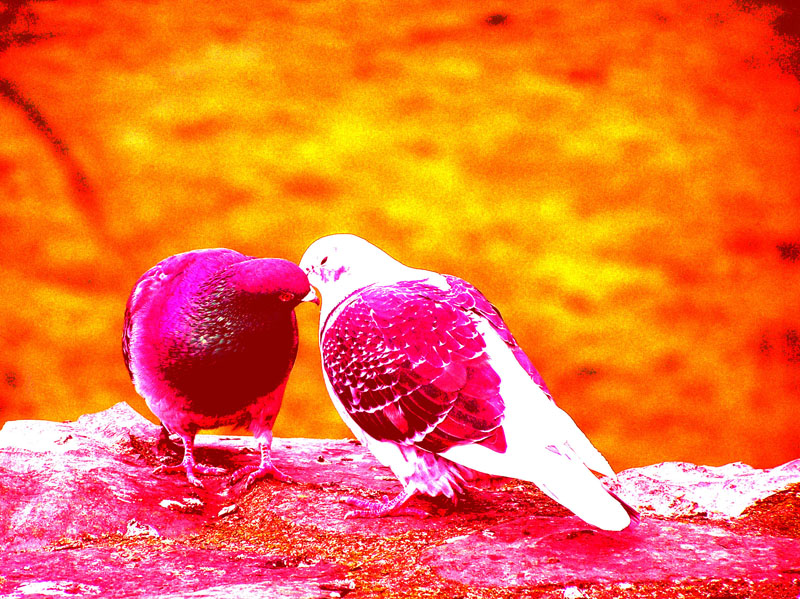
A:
(672, 489)
(82, 514)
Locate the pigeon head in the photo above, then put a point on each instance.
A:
(339, 264)
(269, 277)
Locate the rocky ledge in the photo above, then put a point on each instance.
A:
(82, 514)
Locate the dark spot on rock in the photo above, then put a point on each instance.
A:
(280, 562)
(496, 19)
(495, 557)
(588, 371)
(338, 588)
(576, 534)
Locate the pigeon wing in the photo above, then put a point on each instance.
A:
(409, 365)
(148, 292)
(468, 298)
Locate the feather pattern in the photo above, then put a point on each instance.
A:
(434, 389)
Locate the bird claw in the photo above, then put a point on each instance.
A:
(256, 473)
(212, 470)
(190, 472)
(194, 481)
(169, 469)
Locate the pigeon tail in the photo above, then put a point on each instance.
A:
(545, 446)
(563, 478)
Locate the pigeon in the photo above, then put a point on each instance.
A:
(425, 372)
(210, 338)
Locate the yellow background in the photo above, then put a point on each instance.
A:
(623, 185)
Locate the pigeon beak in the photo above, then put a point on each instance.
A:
(312, 296)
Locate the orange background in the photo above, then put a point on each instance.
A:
(622, 185)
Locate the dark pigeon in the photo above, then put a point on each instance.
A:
(210, 339)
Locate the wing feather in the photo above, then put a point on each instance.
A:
(147, 293)
(468, 298)
(409, 365)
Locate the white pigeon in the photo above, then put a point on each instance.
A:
(429, 378)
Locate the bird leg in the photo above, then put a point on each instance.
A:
(385, 507)
(188, 464)
(166, 444)
(265, 468)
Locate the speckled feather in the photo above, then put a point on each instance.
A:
(435, 388)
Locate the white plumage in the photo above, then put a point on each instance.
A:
(426, 374)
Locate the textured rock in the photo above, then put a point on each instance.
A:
(675, 489)
(538, 551)
(162, 572)
(83, 514)
(56, 478)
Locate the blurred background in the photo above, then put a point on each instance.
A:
(623, 185)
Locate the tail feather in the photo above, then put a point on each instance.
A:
(632, 512)
(544, 446)
(576, 441)
(571, 484)
(564, 479)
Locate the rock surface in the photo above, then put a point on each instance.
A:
(674, 489)
(82, 514)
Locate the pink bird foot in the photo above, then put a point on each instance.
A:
(256, 473)
(191, 472)
(383, 508)
(264, 469)
(189, 466)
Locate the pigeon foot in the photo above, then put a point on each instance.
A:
(383, 508)
(258, 472)
(191, 471)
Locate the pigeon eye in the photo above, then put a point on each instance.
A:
(285, 296)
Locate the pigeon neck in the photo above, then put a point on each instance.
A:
(333, 298)
(326, 315)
